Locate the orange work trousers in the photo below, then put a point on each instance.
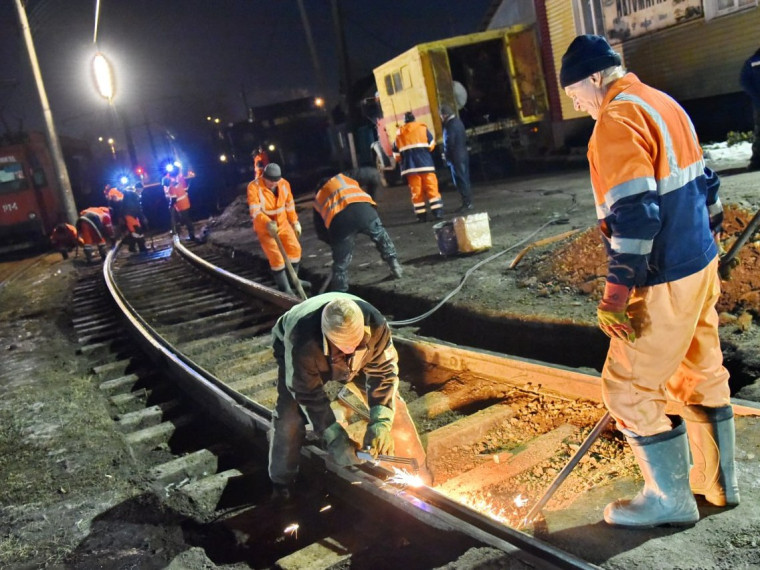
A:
(424, 186)
(676, 354)
(289, 242)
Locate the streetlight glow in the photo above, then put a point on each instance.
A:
(103, 75)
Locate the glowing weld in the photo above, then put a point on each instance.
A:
(405, 479)
(292, 530)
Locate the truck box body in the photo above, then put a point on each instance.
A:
(493, 78)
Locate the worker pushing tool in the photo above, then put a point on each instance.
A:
(657, 206)
(339, 337)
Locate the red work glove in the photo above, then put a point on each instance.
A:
(612, 313)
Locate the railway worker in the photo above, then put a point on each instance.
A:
(273, 211)
(343, 209)
(413, 147)
(339, 337)
(260, 160)
(133, 219)
(64, 238)
(456, 155)
(656, 204)
(94, 227)
(176, 191)
(750, 82)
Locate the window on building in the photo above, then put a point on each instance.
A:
(394, 83)
(715, 8)
(588, 17)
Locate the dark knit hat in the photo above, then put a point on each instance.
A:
(408, 117)
(272, 172)
(586, 55)
(445, 110)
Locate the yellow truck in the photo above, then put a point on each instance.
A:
(494, 79)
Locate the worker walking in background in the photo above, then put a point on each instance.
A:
(750, 82)
(94, 227)
(260, 160)
(339, 337)
(414, 149)
(179, 202)
(456, 155)
(343, 209)
(656, 203)
(273, 211)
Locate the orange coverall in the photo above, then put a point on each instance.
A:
(265, 207)
(259, 162)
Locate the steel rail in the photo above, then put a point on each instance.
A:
(248, 419)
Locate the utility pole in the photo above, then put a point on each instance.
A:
(64, 184)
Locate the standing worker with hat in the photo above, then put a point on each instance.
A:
(273, 211)
(456, 155)
(414, 146)
(656, 203)
(339, 337)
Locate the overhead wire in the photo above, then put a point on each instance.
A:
(554, 219)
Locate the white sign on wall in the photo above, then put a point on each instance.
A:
(626, 19)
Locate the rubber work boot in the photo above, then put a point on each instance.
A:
(102, 251)
(666, 497)
(465, 207)
(712, 440)
(396, 269)
(422, 218)
(438, 213)
(281, 280)
(305, 285)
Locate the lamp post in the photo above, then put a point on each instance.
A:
(64, 184)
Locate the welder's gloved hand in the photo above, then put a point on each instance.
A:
(716, 217)
(612, 313)
(341, 448)
(378, 439)
(297, 229)
(272, 228)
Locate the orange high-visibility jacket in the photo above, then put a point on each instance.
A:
(336, 194)
(64, 235)
(259, 162)
(178, 189)
(94, 225)
(414, 145)
(264, 206)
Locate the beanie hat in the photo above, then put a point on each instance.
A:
(408, 117)
(343, 324)
(272, 172)
(446, 110)
(585, 56)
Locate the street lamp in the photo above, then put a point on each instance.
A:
(102, 73)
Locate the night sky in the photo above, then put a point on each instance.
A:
(179, 61)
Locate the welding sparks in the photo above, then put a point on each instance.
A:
(405, 479)
(292, 530)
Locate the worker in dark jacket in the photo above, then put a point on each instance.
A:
(456, 155)
(413, 148)
(343, 209)
(750, 81)
(133, 219)
(339, 337)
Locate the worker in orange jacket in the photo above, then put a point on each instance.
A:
(260, 160)
(414, 149)
(64, 238)
(273, 211)
(179, 203)
(94, 227)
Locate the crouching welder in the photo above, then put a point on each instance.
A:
(343, 209)
(64, 238)
(273, 211)
(657, 206)
(94, 226)
(340, 337)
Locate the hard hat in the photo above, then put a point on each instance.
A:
(272, 172)
(343, 324)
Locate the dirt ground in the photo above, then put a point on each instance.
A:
(71, 502)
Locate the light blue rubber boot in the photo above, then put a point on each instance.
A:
(666, 498)
(712, 439)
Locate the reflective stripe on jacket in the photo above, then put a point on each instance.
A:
(414, 145)
(264, 206)
(336, 194)
(650, 186)
(178, 189)
(300, 346)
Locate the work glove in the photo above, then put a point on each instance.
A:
(612, 313)
(378, 439)
(297, 229)
(716, 217)
(272, 228)
(341, 448)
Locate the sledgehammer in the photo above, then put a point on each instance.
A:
(560, 478)
(289, 266)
